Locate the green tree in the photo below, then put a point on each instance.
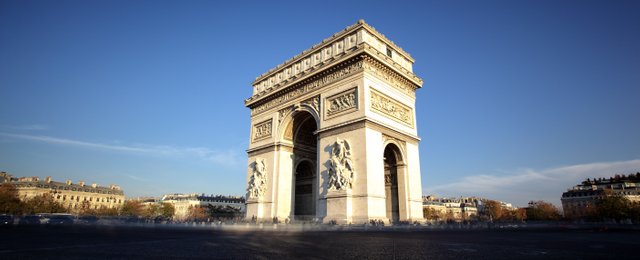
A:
(196, 213)
(106, 211)
(86, 210)
(9, 201)
(542, 210)
(151, 211)
(432, 214)
(614, 206)
(167, 210)
(520, 214)
(493, 209)
(43, 203)
(131, 208)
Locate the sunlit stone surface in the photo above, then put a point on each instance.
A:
(333, 134)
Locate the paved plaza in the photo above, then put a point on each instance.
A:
(118, 242)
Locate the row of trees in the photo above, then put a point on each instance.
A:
(494, 211)
(612, 206)
(10, 203)
(211, 212)
(158, 211)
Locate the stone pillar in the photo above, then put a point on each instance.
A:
(339, 207)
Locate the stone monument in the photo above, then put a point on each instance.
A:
(333, 134)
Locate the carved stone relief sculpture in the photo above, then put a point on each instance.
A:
(258, 181)
(341, 171)
(391, 108)
(313, 102)
(342, 103)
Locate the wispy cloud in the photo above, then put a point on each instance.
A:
(227, 157)
(524, 185)
(133, 177)
(29, 127)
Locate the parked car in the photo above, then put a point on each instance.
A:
(6, 220)
(29, 220)
(60, 219)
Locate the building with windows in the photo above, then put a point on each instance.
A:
(580, 200)
(73, 196)
(183, 203)
(456, 209)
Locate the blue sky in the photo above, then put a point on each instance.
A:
(521, 100)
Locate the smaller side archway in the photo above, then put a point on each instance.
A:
(305, 185)
(394, 183)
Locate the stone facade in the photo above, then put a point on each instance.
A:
(184, 202)
(334, 134)
(456, 209)
(73, 196)
(580, 200)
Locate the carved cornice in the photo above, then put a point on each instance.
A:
(354, 40)
(278, 146)
(328, 41)
(362, 122)
(328, 76)
(384, 73)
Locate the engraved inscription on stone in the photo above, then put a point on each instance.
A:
(262, 130)
(391, 108)
(341, 103)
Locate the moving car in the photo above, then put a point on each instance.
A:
(60, 219)
(6, 220)
(29, 220)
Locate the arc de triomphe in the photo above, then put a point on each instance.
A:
(333, 134)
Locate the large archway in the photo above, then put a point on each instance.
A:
(305, 151)
(392, 160)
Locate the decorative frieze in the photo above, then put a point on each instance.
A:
(313, 102)
(341, 171)
(332, 75)
(282, 113)
(258, 179)
(341, 103)
(262, 130)
(381, 72)
(391, 108)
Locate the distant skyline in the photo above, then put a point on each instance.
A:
(521, 99)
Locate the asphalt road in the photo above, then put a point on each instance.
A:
(161, 243)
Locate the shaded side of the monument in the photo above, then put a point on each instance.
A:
(333, 134)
